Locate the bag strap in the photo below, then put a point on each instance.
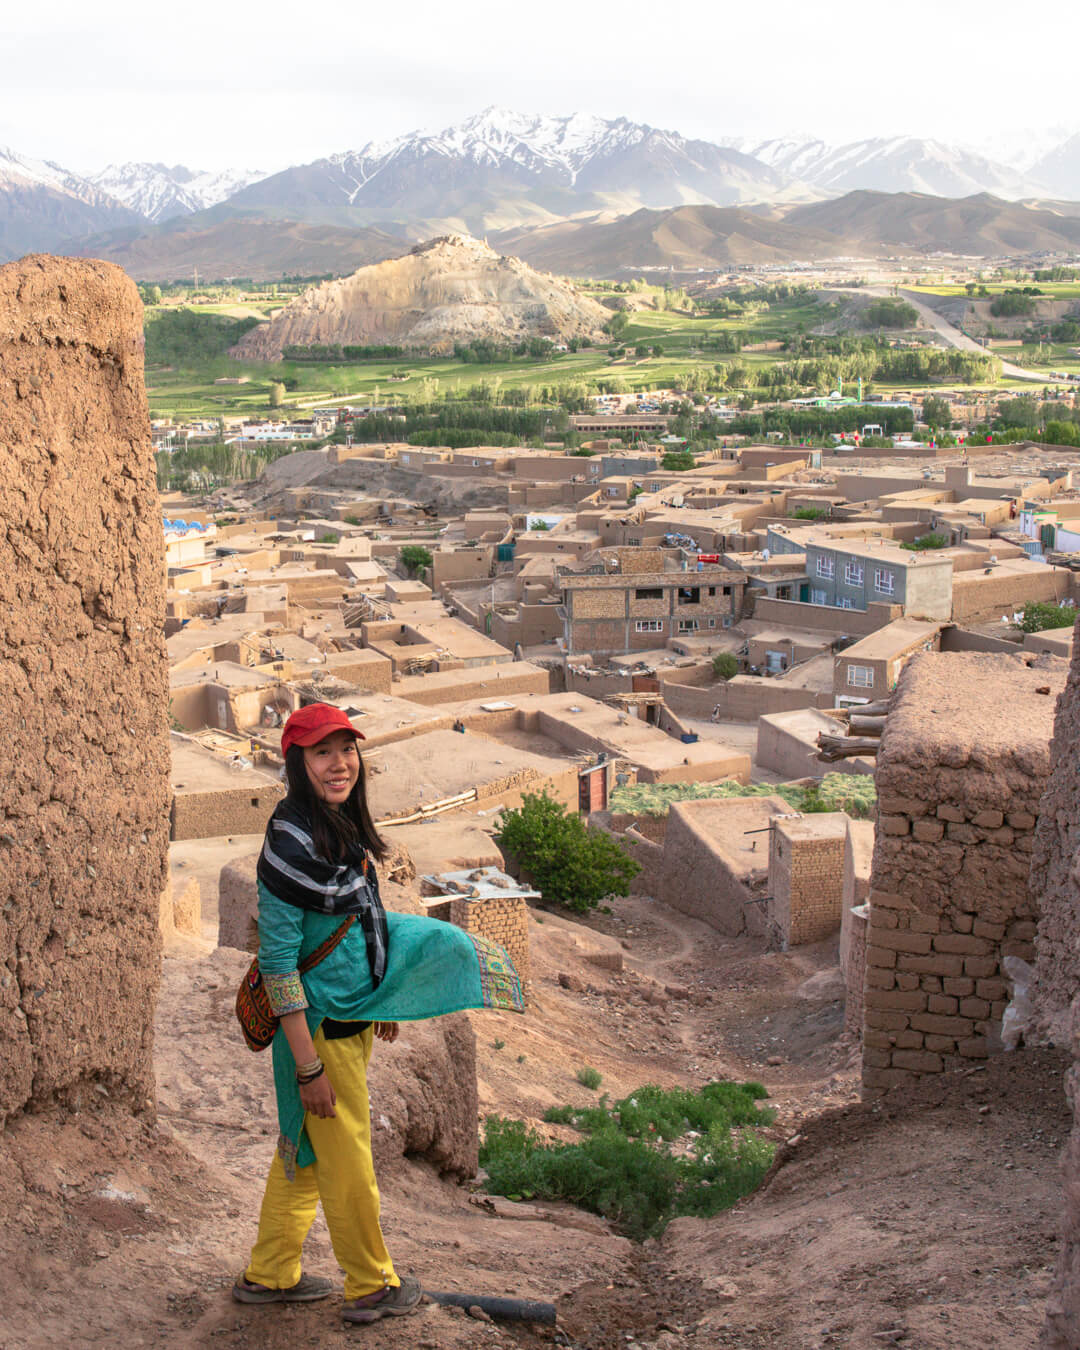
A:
(323, 950)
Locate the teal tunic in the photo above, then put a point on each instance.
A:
(432, 968)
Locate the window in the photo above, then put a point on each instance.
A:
(860, 677)
(826, 566)
(688, 625)
(689, 595)
(712, 623)
(845, 602)
(712, 590)
(727, 590)
(853, 573)
(884, 581)
(817, 597)
(649, 626)
(649, 593)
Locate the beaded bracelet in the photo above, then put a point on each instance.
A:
(311, 1077)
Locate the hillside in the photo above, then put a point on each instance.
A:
(686, 237)
(980, 224)
(451, 289)
(261, 249)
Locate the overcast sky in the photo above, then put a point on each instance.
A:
(233, 83)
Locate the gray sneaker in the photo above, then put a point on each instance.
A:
(395, 1301)
(308, 1289)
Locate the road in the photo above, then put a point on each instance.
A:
(949, 333)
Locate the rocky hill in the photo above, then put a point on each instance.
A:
(447, 290)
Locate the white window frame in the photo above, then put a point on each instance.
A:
(853, 573)
(845, 602)
(688, 625)
(856, 674)
(648, 625)
(818, 597)
(826, 565)
(884, 581)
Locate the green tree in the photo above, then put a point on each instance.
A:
(936, 413)
(617, 323)
(725, 665)
(677, 461)
(572, 865)
(414, 557)
(277, 394)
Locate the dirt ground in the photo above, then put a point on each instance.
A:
(927, 1220)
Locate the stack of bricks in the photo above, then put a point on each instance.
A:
(959, 781)
(806, 877)
(501, 919)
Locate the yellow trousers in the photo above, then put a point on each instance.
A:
(342, 1177)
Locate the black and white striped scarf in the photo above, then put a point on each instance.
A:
(290, 868)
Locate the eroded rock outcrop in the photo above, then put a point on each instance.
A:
(448, 290)
(83, 742)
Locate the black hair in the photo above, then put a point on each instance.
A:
(333, 832)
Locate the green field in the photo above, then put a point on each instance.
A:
(1051, 290)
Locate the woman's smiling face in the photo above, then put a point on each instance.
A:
(333, 766)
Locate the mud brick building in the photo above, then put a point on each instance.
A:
(806, 877)
(964, 760)
(639, 611)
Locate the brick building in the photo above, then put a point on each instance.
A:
(641, 611)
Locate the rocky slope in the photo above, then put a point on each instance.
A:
(451, 289)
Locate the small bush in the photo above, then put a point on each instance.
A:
(624, 1167)
(809, 513)
(330, 538)
(1038, 616)
(590, 1078)
(572, 865)
(724, 666)
(414, 557)
(927, 541)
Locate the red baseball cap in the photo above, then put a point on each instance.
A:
(309, 725)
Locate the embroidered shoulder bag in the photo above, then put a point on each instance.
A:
(257, 1019)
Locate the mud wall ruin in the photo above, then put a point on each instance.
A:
(1055, 878)
(963, 763)
(84, 757)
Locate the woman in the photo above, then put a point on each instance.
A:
(318, 887)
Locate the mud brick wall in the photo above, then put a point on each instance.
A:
(963, 763)
(853, 964)
(84, 754)
(204, 815)
(504, 920)
(1055, 878)
(806, 878)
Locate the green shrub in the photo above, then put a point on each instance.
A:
(809, 513)
(725, 665)
(927, 541)
(414, 557)
(590, 1078)
(572, 865)
(853, 793)
(624, 1167)
(1039, 616)
(329, 538)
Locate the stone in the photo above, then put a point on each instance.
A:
(988, 820)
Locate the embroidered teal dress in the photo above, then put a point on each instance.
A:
(432, 968)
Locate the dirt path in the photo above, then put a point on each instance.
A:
(931, 1218)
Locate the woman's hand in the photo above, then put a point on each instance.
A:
(386, 1031)
(319, 1096)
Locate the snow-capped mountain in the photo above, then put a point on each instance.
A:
(894, 164)
(43, 204)
(158, 192)
(1060, 169)
(559, 164)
